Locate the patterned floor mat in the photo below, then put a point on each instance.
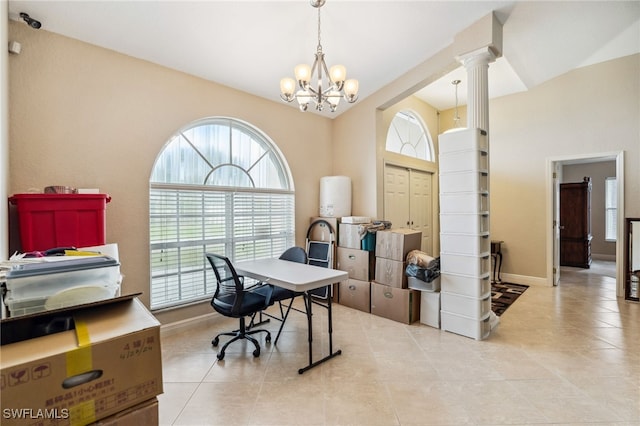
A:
(504, 294)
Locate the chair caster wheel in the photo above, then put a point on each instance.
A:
(220, 356)
(256, 353)
(268, 338)
(215, 341)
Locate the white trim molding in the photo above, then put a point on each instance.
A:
(524, 280)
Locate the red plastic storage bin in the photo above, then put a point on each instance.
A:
(47, 221)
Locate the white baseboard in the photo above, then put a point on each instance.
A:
(178, 326)
(524, 280)
(609, 257)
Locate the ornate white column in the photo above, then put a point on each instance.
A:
(477, 65)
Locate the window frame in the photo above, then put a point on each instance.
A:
(610, 209)
(424, 132)
(248, 231)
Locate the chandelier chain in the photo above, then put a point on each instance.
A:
(319, 38)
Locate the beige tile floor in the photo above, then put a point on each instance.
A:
(568, 355)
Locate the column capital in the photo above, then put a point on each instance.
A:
(482, 56)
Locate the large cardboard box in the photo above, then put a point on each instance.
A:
(391, 272)
(349, 236)
(143, 414)
(397, 304)
(79, 365)
(360, 264)
(356, 294)
(394, 244)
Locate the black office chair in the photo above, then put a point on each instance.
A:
(231, 299)
(279, 294)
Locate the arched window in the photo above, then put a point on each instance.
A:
(219, 185)
(408, 136)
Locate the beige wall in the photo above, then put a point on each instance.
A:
(598, 172)
(88, 117)
(591, 110)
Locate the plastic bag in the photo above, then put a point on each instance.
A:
(424, 274)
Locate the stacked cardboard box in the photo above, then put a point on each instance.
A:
(81, 365)
(356, 291)
(143, 414)
(390, 297)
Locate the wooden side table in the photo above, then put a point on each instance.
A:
(496, 254)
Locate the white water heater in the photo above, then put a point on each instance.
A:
(335, 196)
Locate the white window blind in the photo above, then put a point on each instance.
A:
(214, 190)
(611, 213)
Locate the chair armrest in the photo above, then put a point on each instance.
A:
(255, 285)
(268, 293)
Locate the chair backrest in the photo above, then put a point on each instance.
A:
(294, 254)
(229, 283)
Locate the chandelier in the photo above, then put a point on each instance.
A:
(330, 83)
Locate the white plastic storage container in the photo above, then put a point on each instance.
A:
(430, 308)
(465, 285)
(469, 160)
(465, 264)
(37, 280)
(22, 307)
(473, 307)
(478, 329)
(464, 181)
(464, 223)
(62, 299)
(465, 243)
(464, 202)
(417, 284)
(461, 140)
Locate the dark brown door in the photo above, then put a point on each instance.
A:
(575, 224)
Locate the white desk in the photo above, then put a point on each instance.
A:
(298, 277)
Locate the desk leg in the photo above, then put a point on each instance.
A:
(330, 322)
(308, 303)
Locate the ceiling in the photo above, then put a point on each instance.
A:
(251, 45)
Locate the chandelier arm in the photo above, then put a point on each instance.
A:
(321, 67)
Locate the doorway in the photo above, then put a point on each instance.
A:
(575, 220)
(554, 178)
